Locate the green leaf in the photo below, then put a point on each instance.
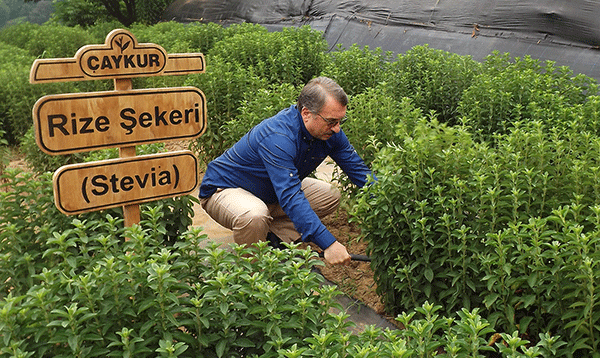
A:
(220, 348)
(428, 274)
(532, 280)
(224, 308)
(490, 299)
(244, 342)
(529, 300)
(73, 343)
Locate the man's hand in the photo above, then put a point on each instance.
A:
(336, 254)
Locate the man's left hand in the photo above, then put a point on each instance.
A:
(336, 254)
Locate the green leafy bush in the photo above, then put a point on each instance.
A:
(101, 29)
(55, 41)
(150, 11)
(39, 161)
(433, 79)
(17, 53)
(78, 13)
(373, 117)
(292, 55)
(48, 40)
(357, 69)
(16, 97)
(457, 222)
(429, 335)
(507, 92)
(77, 287)
(18, 35)
(177, 37)
(261, 104)
(225, 85)
(541, 276)
(17, 94)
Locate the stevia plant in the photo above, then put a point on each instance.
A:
(463, 224)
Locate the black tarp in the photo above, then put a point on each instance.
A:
(564, 31)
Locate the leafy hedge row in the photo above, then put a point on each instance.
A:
(511, 229)
(243, 59)
(508, 91)
(76, 287)
(19, 46)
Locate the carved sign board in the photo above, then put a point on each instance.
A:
(121, 56)
(78, 122)
(84, 187)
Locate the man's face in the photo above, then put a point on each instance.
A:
(317, 123)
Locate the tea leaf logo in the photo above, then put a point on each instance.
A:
(122, 46)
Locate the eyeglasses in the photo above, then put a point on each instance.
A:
(333, 122)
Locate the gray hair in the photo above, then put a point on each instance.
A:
(315, 93)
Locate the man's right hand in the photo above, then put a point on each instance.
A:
(336, 254)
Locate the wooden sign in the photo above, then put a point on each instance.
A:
(124, 118)
(121, 56)
(78, 122)
(84, 187)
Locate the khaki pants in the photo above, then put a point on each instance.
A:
(251, 219)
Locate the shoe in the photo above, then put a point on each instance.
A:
(274, 241)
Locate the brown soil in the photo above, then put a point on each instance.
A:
(355, 279)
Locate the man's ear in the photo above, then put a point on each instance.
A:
(305, 113)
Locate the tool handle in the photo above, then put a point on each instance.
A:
(364, 258)
(353, 257)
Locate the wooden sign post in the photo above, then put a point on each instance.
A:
(123, 118)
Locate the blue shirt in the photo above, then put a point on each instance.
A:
(271, 160)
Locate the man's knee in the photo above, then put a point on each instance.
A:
(252, 220)
(251, 226)
(336, 196)
(327, 201)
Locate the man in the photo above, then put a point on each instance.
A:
(260, 188)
